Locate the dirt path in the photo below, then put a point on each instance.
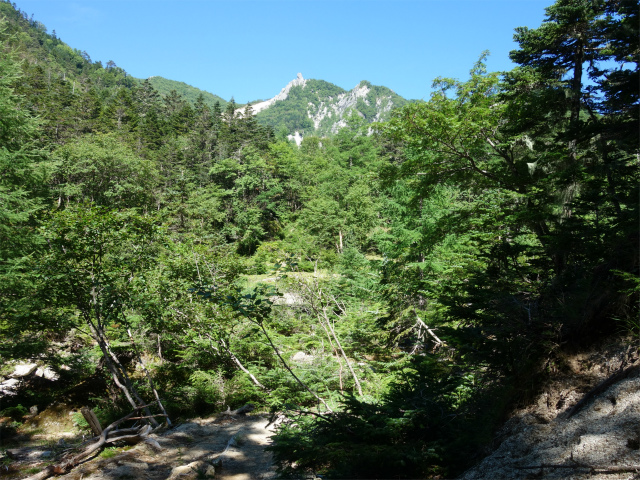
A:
(227, 448)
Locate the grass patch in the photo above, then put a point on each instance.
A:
(109, 452)
(250, 281)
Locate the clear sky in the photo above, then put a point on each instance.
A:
(250, 49)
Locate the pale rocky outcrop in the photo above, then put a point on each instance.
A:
(47, 373)
(296, 137)
(9, 387)
(597, 442)
(338, 107)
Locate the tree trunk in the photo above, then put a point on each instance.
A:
(150, 381)
(239, 364)
(344, 355)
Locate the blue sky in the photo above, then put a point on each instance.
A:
(250, 49)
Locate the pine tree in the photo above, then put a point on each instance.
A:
(22, 195)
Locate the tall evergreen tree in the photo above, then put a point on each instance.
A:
(22, 195)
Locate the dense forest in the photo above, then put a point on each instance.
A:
(395, 290)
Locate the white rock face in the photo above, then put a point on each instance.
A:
(338, 108)
(335, 109)
(296, 137)
(283, 95)
(301, 357)
(384, 104)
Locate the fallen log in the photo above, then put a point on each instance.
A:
(108, 436)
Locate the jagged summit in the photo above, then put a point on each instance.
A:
(316, 107)
(284, 93)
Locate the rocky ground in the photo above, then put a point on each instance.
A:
(552, 439)
(225, 448)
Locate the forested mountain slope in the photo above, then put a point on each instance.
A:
(395, 290)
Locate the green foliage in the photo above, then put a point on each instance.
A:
(109, 452)
(409, 434)
(16, 413)
(23, 190)
(100, 169)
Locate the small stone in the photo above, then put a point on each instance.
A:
(136, 465)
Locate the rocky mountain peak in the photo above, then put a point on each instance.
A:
(316, 107)
(283, 95)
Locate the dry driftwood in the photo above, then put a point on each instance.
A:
(249, 407)
(108, 435)
(92, 420)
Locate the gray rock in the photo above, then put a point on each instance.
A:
(126, 470)
(192, 471)
(9, 387)
(190, 429)
(24, 370)
(181, 437)
(301, 357)
(123, 471)
(47, 373)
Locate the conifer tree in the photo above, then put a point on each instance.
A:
(22, 195)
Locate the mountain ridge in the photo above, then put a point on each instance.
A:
(316, 107)
(304, 106)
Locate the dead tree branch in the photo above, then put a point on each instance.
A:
(109, 435)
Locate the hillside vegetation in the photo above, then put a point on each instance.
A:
(394, 288)
(164, 87)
